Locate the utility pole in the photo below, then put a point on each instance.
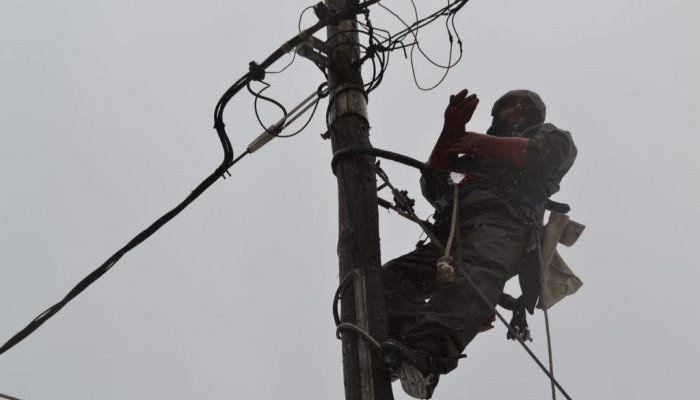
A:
(365, 376)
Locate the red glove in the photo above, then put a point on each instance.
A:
(454, 141)
(458, 112)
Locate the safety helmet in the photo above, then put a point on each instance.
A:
(529, 100)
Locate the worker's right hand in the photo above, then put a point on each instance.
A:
(459, 111)
(457, 114)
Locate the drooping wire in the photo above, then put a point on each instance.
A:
(322, 92)
(259, 95)
(451, 8)
(227, 162)
(289, 64)
(381, 43)
(294, 53)
(449, 35)
(413, 30)
(301, 16)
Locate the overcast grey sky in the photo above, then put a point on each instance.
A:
(105, 117)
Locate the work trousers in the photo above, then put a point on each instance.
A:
(442, 318)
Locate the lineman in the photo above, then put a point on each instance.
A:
(512, 170)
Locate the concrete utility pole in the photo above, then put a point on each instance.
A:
(365, 376)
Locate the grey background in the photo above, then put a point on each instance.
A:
(105, 122)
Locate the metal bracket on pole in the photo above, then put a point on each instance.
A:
(309, 53)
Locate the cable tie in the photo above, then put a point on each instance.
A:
(322, 91)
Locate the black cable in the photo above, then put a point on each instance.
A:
(449, 34)
(294, 53)
(373, 151)
(279, 71)
(379, 47)
(227, 162)
(447, 10)
(301, 16)
(413, 30)
(338, 294)
(258, 95)
(321, 92)
(8, 397)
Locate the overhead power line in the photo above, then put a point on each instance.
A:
(380, 43)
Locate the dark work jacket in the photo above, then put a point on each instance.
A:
(524, 190)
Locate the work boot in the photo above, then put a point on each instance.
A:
(412, 367)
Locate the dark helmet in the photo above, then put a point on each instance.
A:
(530, 101)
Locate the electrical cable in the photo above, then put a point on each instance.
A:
(279, 71)
(320, 93)
(373, 151)
(414, 33)
(256, 73)
(258, 95)
(354, 328)
(413, 30)
(294, 53)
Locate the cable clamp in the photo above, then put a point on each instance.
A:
(257, 73)
(307, 51)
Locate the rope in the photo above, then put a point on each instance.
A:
(520, 340)
(445, 270)
(4, 396)
(549, 351)
(455, 208)
(453, 224)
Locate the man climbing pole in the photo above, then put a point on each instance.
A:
(510, 173)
